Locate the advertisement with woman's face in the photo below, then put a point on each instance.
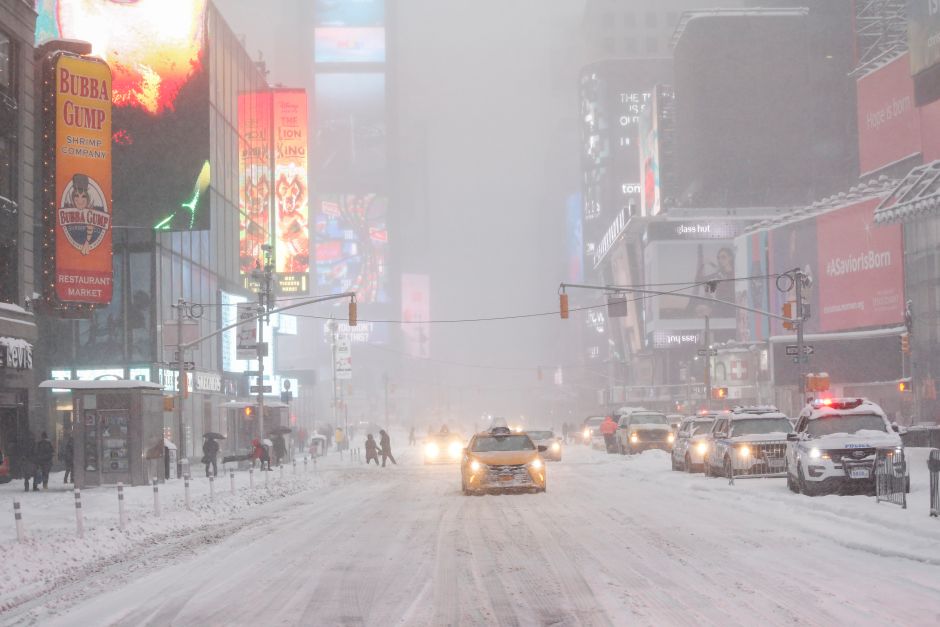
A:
(695, 263)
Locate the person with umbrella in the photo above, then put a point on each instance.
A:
(210, 452)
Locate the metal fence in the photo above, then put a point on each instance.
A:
(933, 465)
(755, 460)
(891, 476)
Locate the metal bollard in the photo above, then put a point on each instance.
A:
(122, 518)
(281, 470)
(266, 473)
(18, 515)
(251, 478)
(211, 488)
(189, 504)
(231, 480)
(305, 464)
(79, 520)
(294, 463)
(156, 498)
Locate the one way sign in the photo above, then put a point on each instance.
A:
(794, 350)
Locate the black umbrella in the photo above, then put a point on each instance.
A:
(281, 430)
(212, 435)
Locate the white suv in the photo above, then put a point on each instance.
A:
(750, 441)
(835, 445)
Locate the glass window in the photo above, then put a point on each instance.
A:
(652, 44)
(8, 155)
(652, 19)
(489, 444)
(7, 63)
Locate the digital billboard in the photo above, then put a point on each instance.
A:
(352, 246)
(254, 178)
(79, 212)
(349, 45)
(157, 53)
(793, 246)
(415, 310)
(750, 259)
(650, 199)
(291, 229)
(923, 34)
(350, 129)
(861, 269)
(888, 121)
(574, 239)
(349, 12)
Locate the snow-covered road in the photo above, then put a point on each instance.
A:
(614, 541)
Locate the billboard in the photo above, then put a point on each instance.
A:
(291, 229)
(349, 12)
(923, 34)
(79, 213)
(352, 246)
(574, 239)
(650, 197)
(888, 120)
(350, 129)
(415, 312)
(794, 246)
(157, 53)
(349, 45)
(254, 178)
(861, 269)
(750, 259)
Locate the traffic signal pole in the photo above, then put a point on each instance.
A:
(801, 358)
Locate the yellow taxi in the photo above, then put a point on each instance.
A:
(499, 460)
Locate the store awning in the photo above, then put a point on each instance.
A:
(103, 384)
(917, 195)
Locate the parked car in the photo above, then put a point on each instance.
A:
(643, 430)
(692, 442)
(835, 445)
(749, 441)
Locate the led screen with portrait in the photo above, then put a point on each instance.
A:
(292, 234)
(157, 53)
(254, 178)
(352, 246)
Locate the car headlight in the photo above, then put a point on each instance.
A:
(454, 449)
(587, 434)
(432, 450)
(556, 446)
(702, 448)
(671, 438)
(475, 466)
(634, 438)
(815, 453)
(745, 451)
(536, 463)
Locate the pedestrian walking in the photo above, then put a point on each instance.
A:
(609, 431)
(26, 449)
(372, 450)
(302, 436)
(68, 458)
(340, 439)
(280, 448)
(564, 431)
(257, 453)
(411, 437)
(45, 453)
(386, 443)
(210, 454)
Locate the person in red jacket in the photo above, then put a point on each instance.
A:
(609, 431)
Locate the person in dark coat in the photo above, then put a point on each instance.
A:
(411, 437)
(68, 458)
(210, 454)
(26, 449)
(45, 453)
(280, 448)
(372, 450)
(386, 443)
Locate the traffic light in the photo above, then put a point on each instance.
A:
(352, 313)
(248, 411)
(788, 313)
(563, 305)
(719, 394)
(168, 403)
(904, 385)
(906, 343)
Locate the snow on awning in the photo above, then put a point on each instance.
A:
(918, 194)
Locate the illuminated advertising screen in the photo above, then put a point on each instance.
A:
(254, 178)
(349, 31)
(888, 122)
(291, 229)
(79, 213)
(574, 239)
(861, 269)
(794, 246)
(349, 12)
(352, 246)
(416, 310)
(157, 54)
(350, 129)
(923, 34)
(750, 260)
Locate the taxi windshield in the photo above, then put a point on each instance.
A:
(492, 444)
(761, 426)
(846, 424)
(541, 435)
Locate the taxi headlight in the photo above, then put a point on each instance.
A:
(745, 451)
(454, 449)
(815, 453)
(475, 466)
(702, 448)
(536, 463)
(671, 438)
(432, 450)
(634, 438)
(556, 447)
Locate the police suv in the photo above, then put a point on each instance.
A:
(835, 446)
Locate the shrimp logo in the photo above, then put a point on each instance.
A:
(83, 213)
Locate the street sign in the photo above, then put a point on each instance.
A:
(707, 352)
(793, 350)
(260, 388)
(187, 365)
(252, 373)
(342, 364)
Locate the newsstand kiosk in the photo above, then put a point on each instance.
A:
(118, 431)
